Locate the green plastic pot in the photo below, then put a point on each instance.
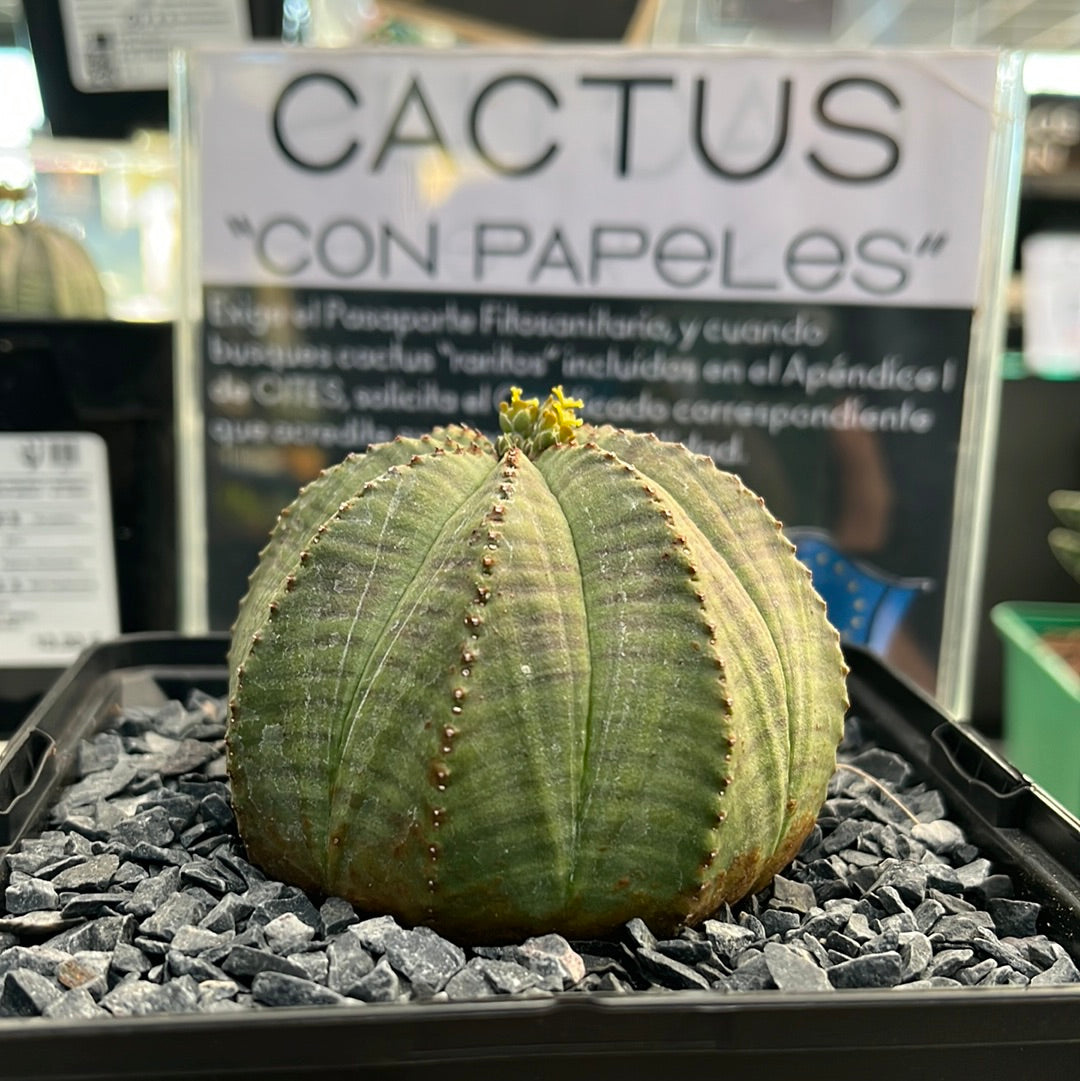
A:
(1041, 697)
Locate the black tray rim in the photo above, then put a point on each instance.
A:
(996, 1030)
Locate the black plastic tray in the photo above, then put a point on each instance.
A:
(1013, 1033)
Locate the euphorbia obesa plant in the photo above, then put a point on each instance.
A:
(550, 683)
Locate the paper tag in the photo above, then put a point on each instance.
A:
(57, 568)
(124, 44)
(1051, 264)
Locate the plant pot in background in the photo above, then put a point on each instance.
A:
(1041, 697)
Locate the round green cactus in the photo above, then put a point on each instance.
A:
(46, 272)
(550, 683)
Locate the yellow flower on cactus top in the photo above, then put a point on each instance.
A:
(533, 427)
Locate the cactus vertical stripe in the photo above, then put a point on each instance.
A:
(657, 723)
(500, 783)
(742, 531)
(312, 508)
(293, 672)
(548, 684)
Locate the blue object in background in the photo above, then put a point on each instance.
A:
(865, 604)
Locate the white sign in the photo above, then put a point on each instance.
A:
(785, 260)
(57, 569)
(125, 44)
(597, 173)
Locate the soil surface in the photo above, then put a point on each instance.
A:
(1065, 644)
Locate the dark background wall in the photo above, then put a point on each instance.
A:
(1038, 451)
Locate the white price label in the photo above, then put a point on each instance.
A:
(124, 44)
(57, 568)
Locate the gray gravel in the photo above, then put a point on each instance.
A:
(137, 899)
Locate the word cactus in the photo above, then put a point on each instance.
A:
(545, 684)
